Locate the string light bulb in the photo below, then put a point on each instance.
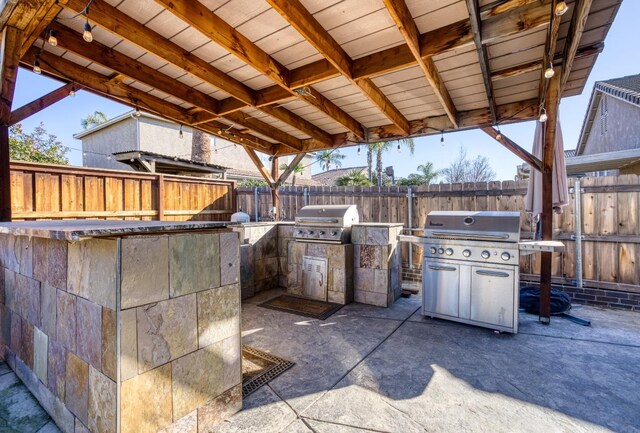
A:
(109, 157)
(499, 136)
(543, 115)
(549, 72)
(137, 112)
(72, 92)
(442, 138)
(399, 149)
(358, 151)
(36, 67)
(561, 8)
(87, 35)
(52, 40)
(181, 135)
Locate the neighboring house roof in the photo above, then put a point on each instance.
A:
(142, 160)
(626, 89)
(570, 153)
(128, 115)
(330, 177)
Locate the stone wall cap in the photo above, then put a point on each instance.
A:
(386, 225)
(74, 230)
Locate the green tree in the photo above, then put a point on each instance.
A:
(252, 183)
(428, 173)
(200, 146)
(92, 120)
(353, 178)
(37, 146)
(297, 170)
(329, 158)
(383, 146)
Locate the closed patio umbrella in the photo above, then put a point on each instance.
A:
(560, 192)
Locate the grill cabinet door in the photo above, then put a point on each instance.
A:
(440, 288)
(314, 278)
(492, 295)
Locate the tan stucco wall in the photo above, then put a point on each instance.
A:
(118, 137)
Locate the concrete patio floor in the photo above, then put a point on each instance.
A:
(368, 369)
(391, 370)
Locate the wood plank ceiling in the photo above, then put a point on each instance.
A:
(291, 76)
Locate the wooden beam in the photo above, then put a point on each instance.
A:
(300, 18)
(259, 165)
(483, 57)
(516, 70)
(298, 122)
(198, 16)
(263, 128)
(45, 15)
(581, 10)
(528, 17)
(42, 102)
(407, 26)
(550, 50)
(120, 24)
(11, 41)
(290, 169)
(552, 99)
(6, 11)
(98, 83)
(510, 145)
(496, 8)
(238, 136)
(122, 64)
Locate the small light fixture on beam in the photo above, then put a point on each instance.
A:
(499, 135)
(561, 8)
(543, 115)
(72, 92)
(181, 134)
(137, 112)
(52, 40)
(87, 35)
(36, 66)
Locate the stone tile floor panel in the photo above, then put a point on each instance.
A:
(369, 369)
(19, 410)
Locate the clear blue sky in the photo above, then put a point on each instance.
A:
(621, 57)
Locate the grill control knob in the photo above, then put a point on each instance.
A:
(321, 233)
(466, 253)
(334, 233)
(440, 250)
(485, 254)
(310, 232)
(433, 250)
(449, 251)
(505, 256)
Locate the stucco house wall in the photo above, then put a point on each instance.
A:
(98, 146)
(615, 127)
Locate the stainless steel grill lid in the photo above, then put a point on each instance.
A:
(328, 215)
(485, 226)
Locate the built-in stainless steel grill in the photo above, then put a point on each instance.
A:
(325, 223)
(470, 268)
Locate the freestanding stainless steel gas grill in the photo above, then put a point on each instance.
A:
(325, 223)
(470, 268)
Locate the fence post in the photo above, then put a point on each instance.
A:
(160, 197)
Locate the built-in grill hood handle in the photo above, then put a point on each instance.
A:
(318, 220)
(467, 235)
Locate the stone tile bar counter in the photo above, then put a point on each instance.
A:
(376, 265)
(124, 326)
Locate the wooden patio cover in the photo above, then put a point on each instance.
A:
(292, 76)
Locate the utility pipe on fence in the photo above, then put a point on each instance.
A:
(410, 223)
(305, 195)
(577, 207)
(256, 196)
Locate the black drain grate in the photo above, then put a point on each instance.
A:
(276, 367)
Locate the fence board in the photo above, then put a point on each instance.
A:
(42, 191)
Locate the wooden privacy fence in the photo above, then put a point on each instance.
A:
(610, 219)
(43, 191)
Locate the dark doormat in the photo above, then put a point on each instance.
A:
(304, 307)
(258, 368)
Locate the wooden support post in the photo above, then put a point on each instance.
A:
(9, 45)
(160, 197)
(551, 106)
(275, 199)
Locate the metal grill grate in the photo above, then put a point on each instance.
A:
(277, 367)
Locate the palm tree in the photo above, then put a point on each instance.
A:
(382, 146)
(297, 170)
(428, 173)
(327, 158)
(94, 119)
(200, 146)
(353, 178)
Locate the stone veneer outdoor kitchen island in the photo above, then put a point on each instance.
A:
(124, 326)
